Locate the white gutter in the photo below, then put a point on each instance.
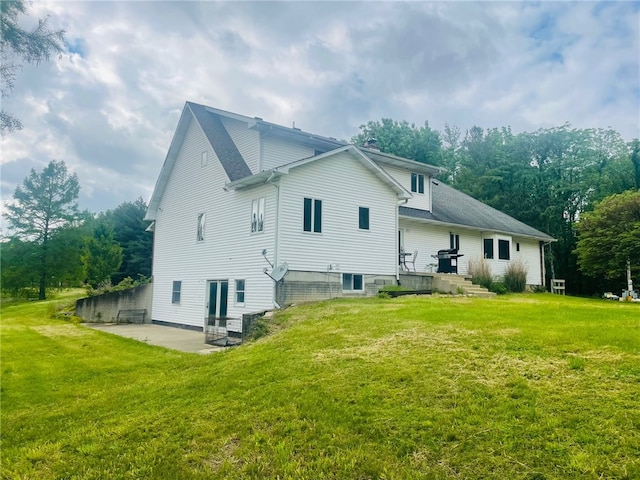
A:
(275, 235)
(479, 229)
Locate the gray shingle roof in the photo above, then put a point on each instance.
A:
(451, 206)
(226, 150)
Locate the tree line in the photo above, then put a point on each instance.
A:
(551, 179)
(52, 244)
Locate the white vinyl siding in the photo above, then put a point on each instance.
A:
(277, 152)
(403, 177)
(428, 238)
(230, 251)
(343, 184)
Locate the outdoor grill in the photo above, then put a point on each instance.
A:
(448, 260)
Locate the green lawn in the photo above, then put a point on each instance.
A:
(516, 387)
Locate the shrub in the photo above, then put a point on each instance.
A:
(125, 284)
(539, 289)
(515, 277)
(258, 329)
(480, 272)
(393, 288)
(498, 287)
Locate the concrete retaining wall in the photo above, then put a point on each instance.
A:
(104, 308)
(300, 286)
(416, 281)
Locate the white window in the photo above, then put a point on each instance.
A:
(352, 282)
(363, 218)
(240, 291)
(417, 183)
(175, 292)
(454, 240)
(504, 248)
(312, 221)
(204, 159)
(201, 225)
(257, 215)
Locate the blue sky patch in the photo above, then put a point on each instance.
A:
(77, 45)
(543, 29)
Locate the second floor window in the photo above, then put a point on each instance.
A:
(312, 221)
(201, 225)
(363, 218)
(417, 183)
(257, 215)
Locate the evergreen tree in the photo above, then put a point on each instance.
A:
(101, 256)
(129, 231)
(46, 202)
(18, 44)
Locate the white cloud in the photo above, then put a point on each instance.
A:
(110, 107)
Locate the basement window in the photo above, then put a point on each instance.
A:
(352, 282)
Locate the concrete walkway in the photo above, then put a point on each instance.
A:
(168, 337)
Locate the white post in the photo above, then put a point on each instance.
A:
(629, 282)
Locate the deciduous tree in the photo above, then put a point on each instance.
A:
(421, 144)
(609, 235)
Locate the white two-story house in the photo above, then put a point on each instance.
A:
(248, 215)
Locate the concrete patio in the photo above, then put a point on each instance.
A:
(168, 337)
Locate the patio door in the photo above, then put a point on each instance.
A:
(217, 300)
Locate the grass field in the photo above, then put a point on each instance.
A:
(517, 387)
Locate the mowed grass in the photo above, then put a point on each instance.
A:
(517, 387)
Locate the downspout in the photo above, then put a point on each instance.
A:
(543, 263)
(275, 235)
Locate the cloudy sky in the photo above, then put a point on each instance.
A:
(109, 107)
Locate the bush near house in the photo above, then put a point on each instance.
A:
(480, 272)
(515, 276)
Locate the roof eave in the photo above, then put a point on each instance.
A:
(393, 160)
(167, 166)
(545, 238)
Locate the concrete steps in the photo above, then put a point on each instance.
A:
(456, 284)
